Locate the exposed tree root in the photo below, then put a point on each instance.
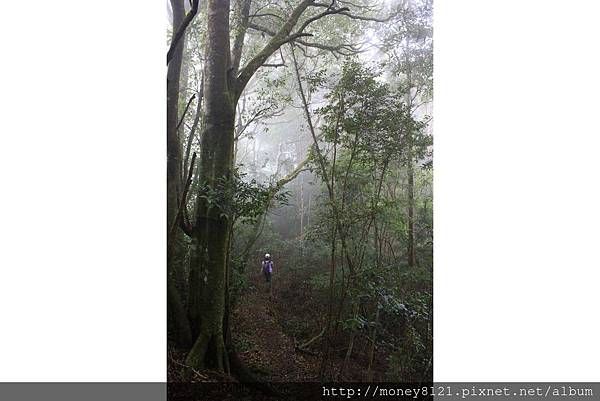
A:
(246, 377)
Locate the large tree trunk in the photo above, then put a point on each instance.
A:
(208, 259)
(210, 236)
(179, 327)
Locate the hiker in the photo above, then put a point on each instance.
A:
(267, 268)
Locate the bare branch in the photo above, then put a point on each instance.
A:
(178, 217)
(358, 17)
(267, 15)
(241, 129)
(185, 111)
(194, 126)
(278, 39)
(365, 18)
(292, 175)
(261, 29)
(319, 16)
(181, 29)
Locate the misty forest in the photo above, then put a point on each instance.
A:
(300, 129)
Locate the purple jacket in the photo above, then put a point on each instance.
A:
(267, 266)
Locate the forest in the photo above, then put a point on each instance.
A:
(300, 129)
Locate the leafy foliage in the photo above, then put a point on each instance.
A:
(241, 200)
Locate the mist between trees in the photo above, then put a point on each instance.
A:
(301, 129)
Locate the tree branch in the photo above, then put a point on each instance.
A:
(359, 17)
(181, 29)
(242, 127)
(267, 15)
(343, 49)
(194, 127)
(319, 16)
(278, 39)
(274, 65)
(292, 175)
(182, 202)
(303, 347)
(185, 111)
(258, 226)
(365, 18)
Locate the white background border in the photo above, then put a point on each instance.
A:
(82, 214)
(516, 199)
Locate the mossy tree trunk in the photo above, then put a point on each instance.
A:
(211, 230)
(222, 89)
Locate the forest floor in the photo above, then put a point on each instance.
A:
(261, 340)
(268, 326)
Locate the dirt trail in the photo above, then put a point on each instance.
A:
(262, 344)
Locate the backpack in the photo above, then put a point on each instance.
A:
(267, 266)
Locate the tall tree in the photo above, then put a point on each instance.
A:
(175, 307)
(210, 233)
(410, 52)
